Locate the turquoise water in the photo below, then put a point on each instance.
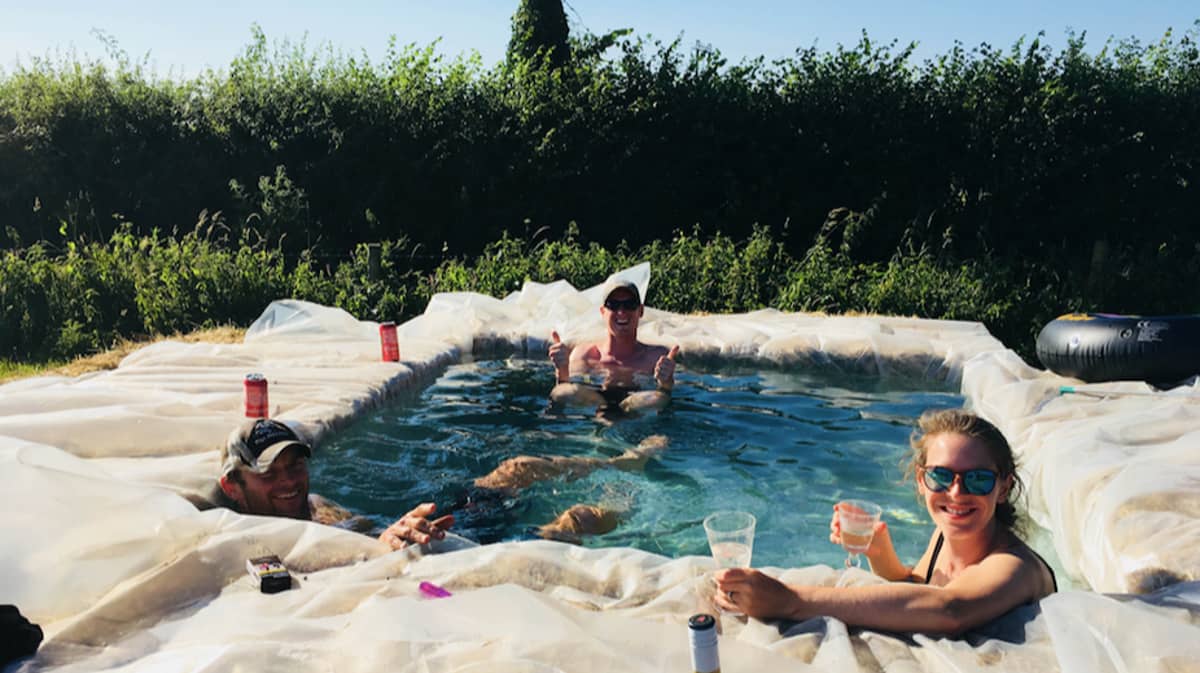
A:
(783, 446)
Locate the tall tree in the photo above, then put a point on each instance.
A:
(539, 28)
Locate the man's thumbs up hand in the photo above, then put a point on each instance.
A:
(664, 369)
(560, 355)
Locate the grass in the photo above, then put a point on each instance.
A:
(11, 371)
(109, 359)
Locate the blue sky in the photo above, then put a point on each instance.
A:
(181, 39)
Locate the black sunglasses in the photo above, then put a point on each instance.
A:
(618, 304)
(974, 482)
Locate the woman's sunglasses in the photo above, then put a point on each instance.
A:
(974, 482)
(618, 304)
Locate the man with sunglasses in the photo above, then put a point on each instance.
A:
(264, 471)
(620, 357)
(974, 569)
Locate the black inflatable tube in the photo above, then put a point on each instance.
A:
(1161, 350)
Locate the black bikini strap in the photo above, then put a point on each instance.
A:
(937, 548)
(1053, 579)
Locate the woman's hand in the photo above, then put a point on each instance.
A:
(416, 527)
(756, 594)
(881, 541)
(881, 554)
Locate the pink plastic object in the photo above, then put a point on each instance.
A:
(431, 590)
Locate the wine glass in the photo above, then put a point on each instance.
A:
(857, 519)
(731, 538)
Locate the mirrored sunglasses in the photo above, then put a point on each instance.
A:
(619, 304)
(974, 482)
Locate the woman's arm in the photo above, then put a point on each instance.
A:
(882, 557)
(977, 595)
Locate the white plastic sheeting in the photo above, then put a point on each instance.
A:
(1113, 469)
(125, 575)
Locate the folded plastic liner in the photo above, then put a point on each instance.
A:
(100, 545)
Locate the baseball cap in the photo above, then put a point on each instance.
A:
(256, 444)
(621, 284)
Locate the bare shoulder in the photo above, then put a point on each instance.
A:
(1012, 576)
(1032, 567)
(326, 511)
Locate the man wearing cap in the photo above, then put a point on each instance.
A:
(264, 471)
(619, 355)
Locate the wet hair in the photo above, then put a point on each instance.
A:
(962, 422)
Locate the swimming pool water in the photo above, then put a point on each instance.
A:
(784, 446)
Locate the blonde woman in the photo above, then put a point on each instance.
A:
(974, 569)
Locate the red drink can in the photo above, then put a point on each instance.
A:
(389, 345)
(256, 396)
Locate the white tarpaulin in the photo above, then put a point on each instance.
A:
(124, 574)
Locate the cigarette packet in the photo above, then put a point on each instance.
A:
(269, 573)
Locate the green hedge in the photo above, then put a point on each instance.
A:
(1005, 186)
(60, 303)
(1019, 152)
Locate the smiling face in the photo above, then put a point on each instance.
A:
(622, 320)
(281, 491)
(955, 511)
